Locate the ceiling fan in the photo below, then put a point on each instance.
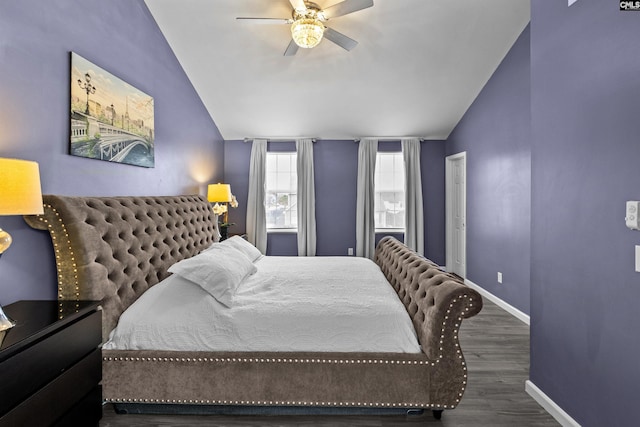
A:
(307, 23)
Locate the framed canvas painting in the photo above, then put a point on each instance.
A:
(110, 119)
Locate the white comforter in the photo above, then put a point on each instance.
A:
(336, 304)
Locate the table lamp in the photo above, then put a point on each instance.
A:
(220, 194)
(20, 194)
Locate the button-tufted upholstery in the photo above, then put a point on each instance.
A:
(114, 248)
(425, 290)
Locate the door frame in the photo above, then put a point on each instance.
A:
(449, 196)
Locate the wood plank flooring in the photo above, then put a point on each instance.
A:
(496, 347)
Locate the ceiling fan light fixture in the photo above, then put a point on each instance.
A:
(307, 32)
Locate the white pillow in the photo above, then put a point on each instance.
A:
(240, 244)
(243, 246)
(219, 271)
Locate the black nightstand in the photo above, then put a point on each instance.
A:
(51, 365)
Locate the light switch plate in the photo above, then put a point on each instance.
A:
(638, 258)
(632, 216)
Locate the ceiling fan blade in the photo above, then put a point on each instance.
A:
(340, 39)
(346, 7)
(266, 21)
(298, 5)
(291, 49)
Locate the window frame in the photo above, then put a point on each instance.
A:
(293, 160)
(389, 230)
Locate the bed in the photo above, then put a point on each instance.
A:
(115, 249)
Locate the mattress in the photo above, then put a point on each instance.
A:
(294, 304)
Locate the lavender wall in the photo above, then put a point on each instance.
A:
(432, 155)
(495, 133)
(585, 152)
(121, 37)
(336, 168)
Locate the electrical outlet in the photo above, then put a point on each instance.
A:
(350, 251)
(499, 277)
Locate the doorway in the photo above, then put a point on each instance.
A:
(456, 213)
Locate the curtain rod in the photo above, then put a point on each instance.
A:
(390, 138)
(280, 139)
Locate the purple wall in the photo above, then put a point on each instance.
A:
(336, 171)
(336, 168)
(121, 37)
(585, 103)
(495, 133)
(432, 155)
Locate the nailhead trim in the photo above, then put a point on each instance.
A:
(281, 403)
(56, 249)
(307, 360)
(268, 360)
(469, 304)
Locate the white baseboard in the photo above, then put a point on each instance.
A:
(499, 302)
(549, 405)
(538, 395)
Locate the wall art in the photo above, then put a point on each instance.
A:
(110, 119)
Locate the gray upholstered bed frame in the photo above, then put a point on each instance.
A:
(114, 248)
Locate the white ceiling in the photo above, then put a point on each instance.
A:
(417, 68)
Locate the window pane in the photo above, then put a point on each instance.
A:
(271, 179)
(284, 164)
(281, 189)
(282, 182)
(271, 163)
(389, 199)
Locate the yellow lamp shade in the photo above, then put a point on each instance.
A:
(217, 193)
(20, 192)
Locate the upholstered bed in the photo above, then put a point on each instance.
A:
(114, 249)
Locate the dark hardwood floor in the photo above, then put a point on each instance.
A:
(496, 347)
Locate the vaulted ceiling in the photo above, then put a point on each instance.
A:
(417, 68)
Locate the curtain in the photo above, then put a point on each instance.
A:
(365, 198)
(306, 198)
(413, 215)
(256, 213)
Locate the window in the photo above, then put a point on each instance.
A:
(281, 201)
(389, 198)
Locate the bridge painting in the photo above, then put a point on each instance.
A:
(110, 119)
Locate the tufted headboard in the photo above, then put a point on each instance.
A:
(430, 295)
(114, 248)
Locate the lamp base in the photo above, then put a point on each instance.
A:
(5, 322)
(5, 241)
(224, 232)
